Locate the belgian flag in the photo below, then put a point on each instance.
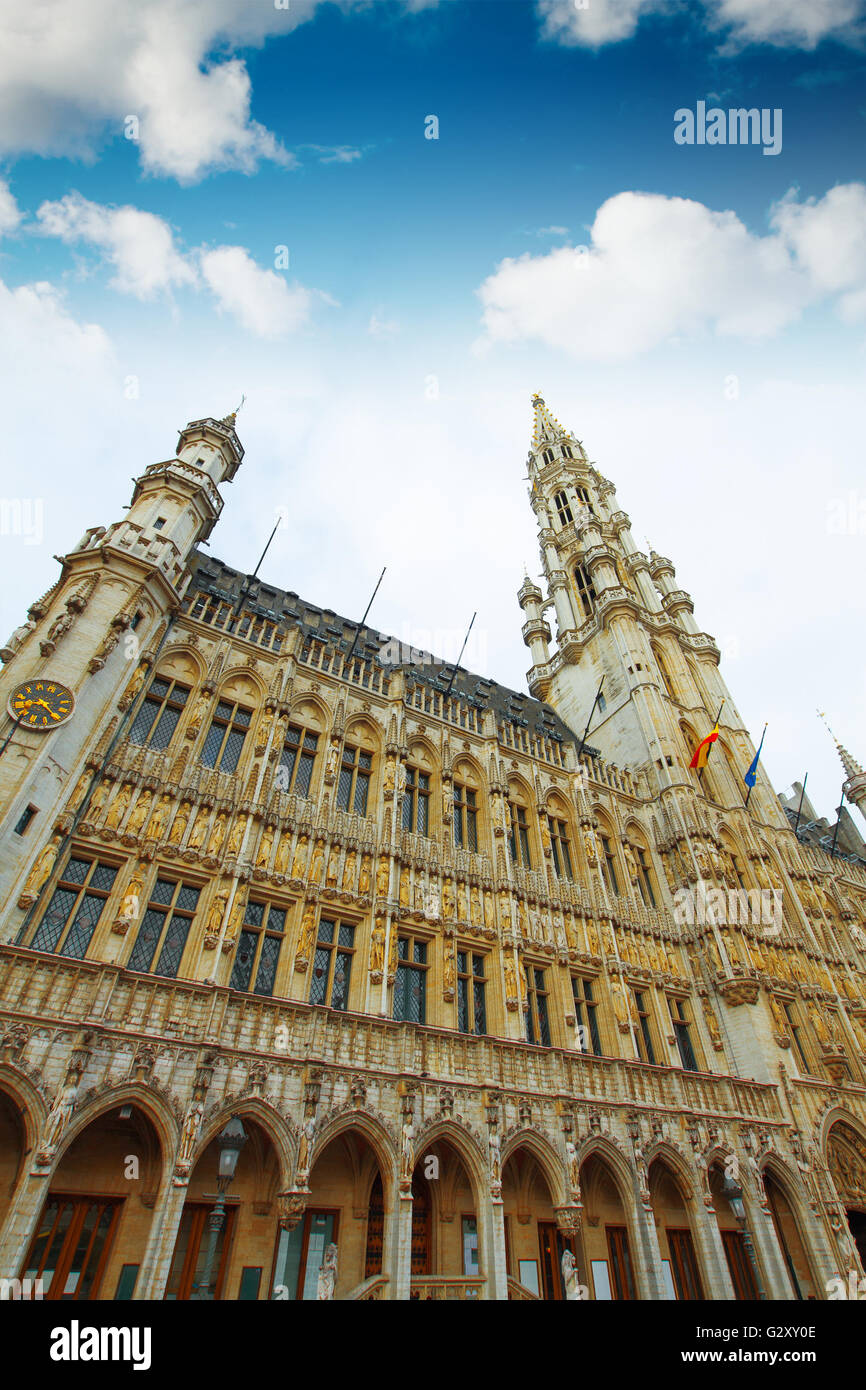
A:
(702, 752)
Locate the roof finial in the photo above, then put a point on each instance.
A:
(232, 417)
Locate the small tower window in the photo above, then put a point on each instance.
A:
(585, 499)
(566, 451)
(24, 820)
(548, 456)
(585, 588)
(159, 523)
(564, 510)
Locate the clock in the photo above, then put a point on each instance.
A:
(41, 704)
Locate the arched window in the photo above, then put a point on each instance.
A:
(585, 499)
(158, 716)
(664, 673)
(465, 818)
(518, 834)
(548, 456)
(585, 589)
(416, 801)
(566, 451)
(356, 769)
(563, 508)
(298, 759)
(608, 858)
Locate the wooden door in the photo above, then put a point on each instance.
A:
(190, 1253)
(739, 1265)
(420, 1229)
(70, 1248)
(375, 1231)
(684, 1264)
(621, 1276)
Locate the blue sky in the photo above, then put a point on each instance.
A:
(707, 344)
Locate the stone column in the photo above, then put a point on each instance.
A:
(21, 1219)
(491, 1245)
(771, 1262)
(400, 1245)
(715, 1275)
(156, 1263)
(648, 1264)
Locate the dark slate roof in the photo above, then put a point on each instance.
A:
(285, 608)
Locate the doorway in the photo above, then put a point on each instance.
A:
(71, 1245)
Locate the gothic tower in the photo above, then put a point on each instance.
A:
(96, 631)
(621, 617)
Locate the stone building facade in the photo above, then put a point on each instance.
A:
(486, 999)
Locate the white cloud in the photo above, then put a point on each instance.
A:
(380, 327)
(35, 328)
(336, 154)
(72, 71)
(598, 23)
(828, 239)
(10, 214)
(660, 268)
(138, 244)
(260, 299)
(788, 23)
(784, 23)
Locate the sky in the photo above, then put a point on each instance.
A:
(387, 224)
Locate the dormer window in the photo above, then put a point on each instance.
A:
(564, 510)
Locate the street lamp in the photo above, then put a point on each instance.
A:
(231, 1140)
(734, 1194)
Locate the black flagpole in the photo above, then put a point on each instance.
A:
(800, 807)
(462, 650)
(591, 713)
(246, 584)
(364, 619)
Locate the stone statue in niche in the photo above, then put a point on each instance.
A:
(327, 1280)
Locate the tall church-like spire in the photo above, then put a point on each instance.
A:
(622, 616)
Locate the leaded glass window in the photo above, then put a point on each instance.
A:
(465, 817)
(354, 784)
(158, 716)
(75, 907)
(588, 1038)
(298, 758)
(225, 737)
(410, 985)
(258, 949)
(164, 927)
(644, 1039)
(416, 802)
(471, 984)
(537, 1020)
(332, 963)
(561, 848)
(518, 839)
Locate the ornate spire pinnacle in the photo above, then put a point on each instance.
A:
(851, 766)
(546, 429)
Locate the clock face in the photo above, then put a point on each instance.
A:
(41, 704)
